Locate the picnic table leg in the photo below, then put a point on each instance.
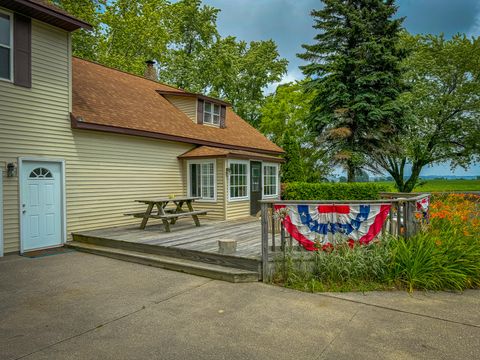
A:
(195, 217)
(177, 210)
(145, 216)
(161, 211)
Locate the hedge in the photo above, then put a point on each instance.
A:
(332, 191)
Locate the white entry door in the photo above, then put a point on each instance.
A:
(41, 207)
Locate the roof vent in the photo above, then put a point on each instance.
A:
(150, 71)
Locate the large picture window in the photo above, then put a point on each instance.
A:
(211, 113)
(201, 176)
(270, 180)
(238, 180)
(6, 53)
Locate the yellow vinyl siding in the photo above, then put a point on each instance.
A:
(238, 209)
(186, 104)
(105, 173)
(216, 210)
(109, 171)
(34, 122)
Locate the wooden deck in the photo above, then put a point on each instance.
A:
(186, 248)
(185, 235)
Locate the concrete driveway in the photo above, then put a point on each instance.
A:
(80, 306)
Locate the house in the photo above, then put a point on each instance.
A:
(79, 142)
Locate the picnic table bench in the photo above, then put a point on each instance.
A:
(168, 216)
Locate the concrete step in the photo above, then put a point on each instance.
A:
(212, 271)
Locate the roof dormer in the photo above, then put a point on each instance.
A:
(201, 109)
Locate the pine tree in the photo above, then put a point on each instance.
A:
(355, 72)
(292, 170)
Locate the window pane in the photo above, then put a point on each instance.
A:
(4, 29)
(216, 109)
(194, 183)
(216, 119)
(208, 107)
(207, 181)
(207, 118)
(238, 180)
(270, 179)
(4, 63)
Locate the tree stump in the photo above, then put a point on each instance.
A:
(227, 246)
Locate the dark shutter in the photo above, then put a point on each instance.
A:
(200, 111)
(223, 113)
(22, 51)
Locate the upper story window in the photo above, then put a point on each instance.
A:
(6, 43)
(211, 113)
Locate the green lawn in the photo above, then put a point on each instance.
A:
(443, 185)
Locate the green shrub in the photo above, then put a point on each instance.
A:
(332, 191)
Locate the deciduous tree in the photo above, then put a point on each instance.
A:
(183, 38)
(444, 104)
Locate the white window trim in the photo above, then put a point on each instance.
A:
(212, 113)
(263, 180)
(247, 163)
(203, 161)
(11, 46)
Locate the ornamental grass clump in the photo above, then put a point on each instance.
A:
(343, 268)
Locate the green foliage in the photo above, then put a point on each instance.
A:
(182, 37)
(292, 170)
(440, 185)
(285, 111)
(332, 191)
(355, 74)
(444, 76)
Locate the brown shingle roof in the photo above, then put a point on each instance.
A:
(202, 152)
(112, 100)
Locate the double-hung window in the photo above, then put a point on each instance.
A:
(211, 113)
(6, 42)
(201, 179)
(238, 180)
(270, 180)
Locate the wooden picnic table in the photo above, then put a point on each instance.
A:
(168, 216)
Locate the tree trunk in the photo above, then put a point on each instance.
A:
(350, 173)
(412, 180)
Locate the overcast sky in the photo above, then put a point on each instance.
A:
(288, 23)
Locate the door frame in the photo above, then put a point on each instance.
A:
(63, 202)
(250, 181)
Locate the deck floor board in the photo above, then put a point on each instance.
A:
(185, 235)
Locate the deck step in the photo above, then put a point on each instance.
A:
(229, 261)
(212, 271)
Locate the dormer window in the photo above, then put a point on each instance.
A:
(211, 114)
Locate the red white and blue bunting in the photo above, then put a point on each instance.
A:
(312, 225)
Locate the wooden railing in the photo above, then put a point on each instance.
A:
(403, 220)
